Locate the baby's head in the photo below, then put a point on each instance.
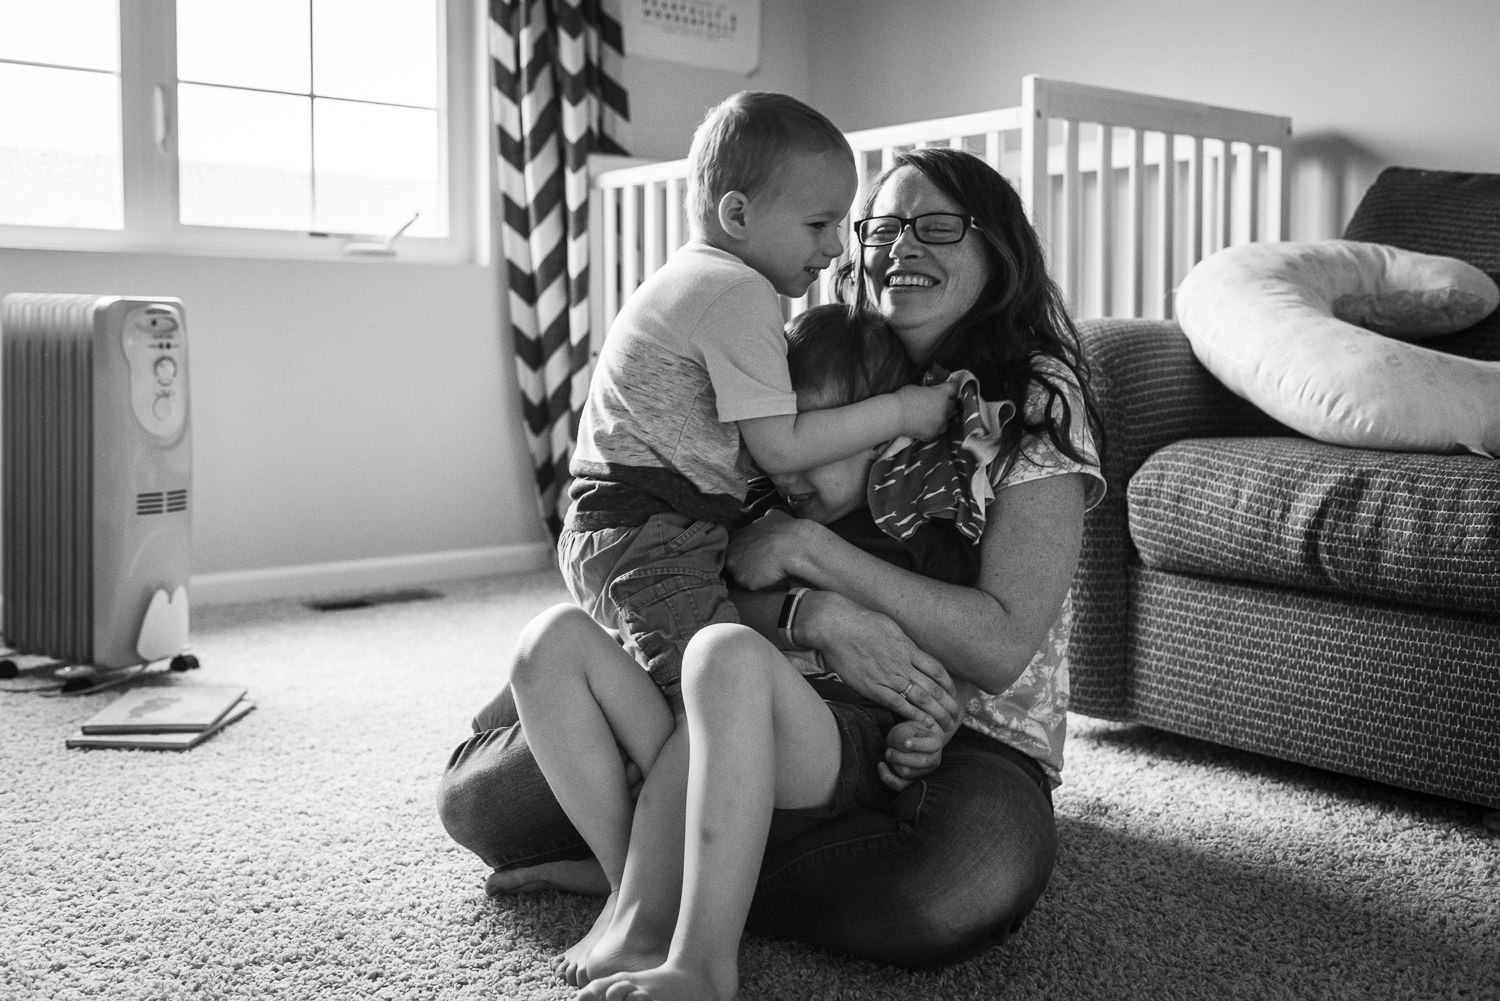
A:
(769, 179)
(837, 357)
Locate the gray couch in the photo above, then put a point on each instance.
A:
(1249, 586)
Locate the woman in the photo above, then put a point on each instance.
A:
(965, 848)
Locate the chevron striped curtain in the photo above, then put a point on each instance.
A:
(557, 98)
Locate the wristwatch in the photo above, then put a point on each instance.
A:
(788, 617)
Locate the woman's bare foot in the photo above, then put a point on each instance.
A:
(668, 982)
(571, 965)
(581, 876)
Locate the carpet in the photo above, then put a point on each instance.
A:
(296, 854)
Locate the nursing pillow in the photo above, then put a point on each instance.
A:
(1317, 334)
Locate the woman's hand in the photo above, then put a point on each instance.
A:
(760, 554)
(875, 657)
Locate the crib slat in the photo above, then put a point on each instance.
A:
(1195, 202)
(630, 243)
(610, 279)
(1136, 222)
(1166, 224)
(1278, 194)
(1070, 228)
(1034, 180)
(672, 209)
(1252, 200)
(653, 243)
(1105, 228)
(1226, 195)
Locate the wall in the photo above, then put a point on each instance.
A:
(668, 100)
(354, 423)
(1367, 83)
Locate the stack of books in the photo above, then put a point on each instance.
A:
(173, 717)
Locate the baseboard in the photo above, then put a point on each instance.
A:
(346, 577)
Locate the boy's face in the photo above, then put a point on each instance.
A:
(828, 492)
(791, 228)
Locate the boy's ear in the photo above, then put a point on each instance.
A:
(733, 208)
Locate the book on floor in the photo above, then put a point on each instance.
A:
(165, 708)
(166, 740)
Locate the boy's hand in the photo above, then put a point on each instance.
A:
(912, 750)
(925, 409)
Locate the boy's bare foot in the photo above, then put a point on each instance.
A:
(571, 964)
(581, 876)
(668, 982)
(631, 941)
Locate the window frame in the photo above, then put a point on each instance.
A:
(148, 125)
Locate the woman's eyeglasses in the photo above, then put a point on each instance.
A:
(929, 227)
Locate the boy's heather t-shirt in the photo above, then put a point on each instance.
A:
(696, 348)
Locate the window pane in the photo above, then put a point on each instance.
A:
(376, 50)
(244, 158)
(60, 161)
(262, 44)
(82, 33)
(376, 165)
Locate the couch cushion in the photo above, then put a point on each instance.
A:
(1441, 212)
(1420, 529)
(1445, 212)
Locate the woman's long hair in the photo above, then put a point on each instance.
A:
(1019, 313)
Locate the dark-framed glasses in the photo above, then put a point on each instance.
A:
(929, 227)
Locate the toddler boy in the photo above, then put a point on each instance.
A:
(692, 390)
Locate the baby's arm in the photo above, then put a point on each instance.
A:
(787, 443)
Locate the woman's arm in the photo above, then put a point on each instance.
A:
(875, 658)
(985, 634)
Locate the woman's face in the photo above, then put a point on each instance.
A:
(922, 290)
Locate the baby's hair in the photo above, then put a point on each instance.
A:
(838, 356)
(743, 142)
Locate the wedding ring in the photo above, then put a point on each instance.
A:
(906, 692)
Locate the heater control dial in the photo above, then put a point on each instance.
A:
(156, 354)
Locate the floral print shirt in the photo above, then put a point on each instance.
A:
(1031, 715)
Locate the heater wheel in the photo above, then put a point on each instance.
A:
(185, 662)
(9, 669)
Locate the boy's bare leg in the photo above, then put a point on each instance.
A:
(583, 702)
(760, 738)
(645, 914)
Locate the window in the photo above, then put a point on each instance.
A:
(314, 128)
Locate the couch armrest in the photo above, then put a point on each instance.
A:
(1151, 391)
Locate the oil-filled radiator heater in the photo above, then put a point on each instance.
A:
(96, 479)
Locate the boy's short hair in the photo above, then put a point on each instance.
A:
(838, 356)
(742, 142)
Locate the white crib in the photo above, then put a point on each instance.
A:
(1126, 190)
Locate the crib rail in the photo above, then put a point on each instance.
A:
(1127, 191)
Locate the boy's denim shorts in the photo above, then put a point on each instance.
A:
(862, 731)
(655, 584)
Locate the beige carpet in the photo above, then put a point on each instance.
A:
(296, 854)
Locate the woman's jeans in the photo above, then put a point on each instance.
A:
(952, 866)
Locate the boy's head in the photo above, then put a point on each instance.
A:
(769, 179)
(837, 357)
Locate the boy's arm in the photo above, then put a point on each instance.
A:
(786, 443)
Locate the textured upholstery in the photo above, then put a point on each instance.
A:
(1384, 684)
(1151, 392)
(1389, 692)
(1406, 527)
